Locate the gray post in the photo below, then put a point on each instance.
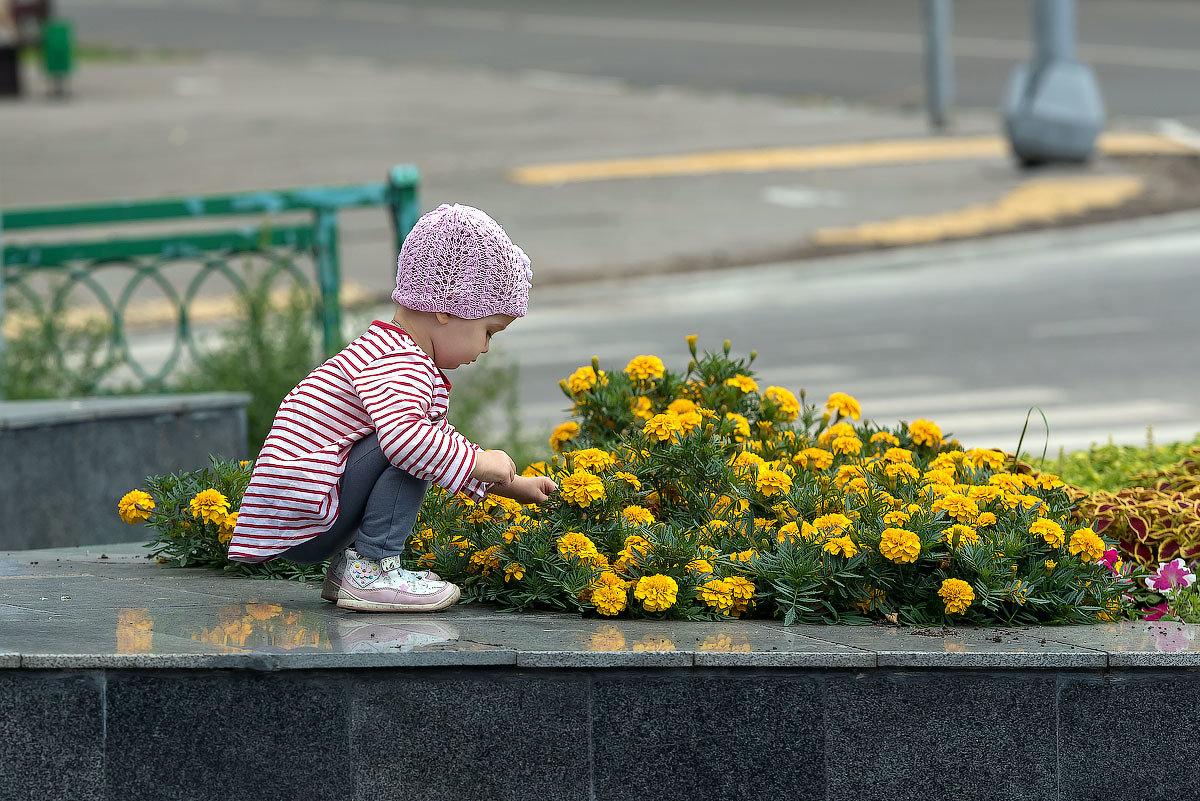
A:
(1054, 110)
(939, 66)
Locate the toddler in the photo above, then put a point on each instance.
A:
(354, 447)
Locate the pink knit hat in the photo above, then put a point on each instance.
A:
(458, 260)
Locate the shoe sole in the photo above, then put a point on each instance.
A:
(347, 600)
(330, 591)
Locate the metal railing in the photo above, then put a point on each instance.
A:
(71, 265)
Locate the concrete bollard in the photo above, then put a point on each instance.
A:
(1054, 110)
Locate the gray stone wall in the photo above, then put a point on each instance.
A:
(65, 464)
(596, 735)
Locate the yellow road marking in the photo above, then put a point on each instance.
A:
(850, 154)
(1042, 200)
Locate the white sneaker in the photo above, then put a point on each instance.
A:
(385, 586)
(337, 569)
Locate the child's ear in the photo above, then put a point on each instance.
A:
(442, 317)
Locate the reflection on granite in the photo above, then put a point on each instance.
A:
(62, 607)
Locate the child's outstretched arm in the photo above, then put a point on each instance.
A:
(526, 489)
(493, 467)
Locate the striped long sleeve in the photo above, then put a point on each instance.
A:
(381, 382)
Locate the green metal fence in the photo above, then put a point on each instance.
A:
(71, 265)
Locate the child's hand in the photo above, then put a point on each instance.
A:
(527, 489)
(494, 467)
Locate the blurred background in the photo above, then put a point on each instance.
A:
(950, 210)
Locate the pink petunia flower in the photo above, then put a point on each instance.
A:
(1156, 612)
(1171, 576)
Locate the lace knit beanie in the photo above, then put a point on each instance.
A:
(458, 260)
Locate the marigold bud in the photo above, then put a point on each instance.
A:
(727, 345)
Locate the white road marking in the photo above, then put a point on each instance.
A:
(926, 405)
(1063, 417)
(802, 197)
(1089, 328)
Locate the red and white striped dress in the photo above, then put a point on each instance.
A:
(381, 382)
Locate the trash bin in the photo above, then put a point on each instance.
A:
(58, 52)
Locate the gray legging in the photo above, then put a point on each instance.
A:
(377, 510)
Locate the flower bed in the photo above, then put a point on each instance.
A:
(699, 496)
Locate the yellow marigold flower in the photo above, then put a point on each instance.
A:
(661, 427)
(789, 406)
(983, 494)
(1048, 481)
(873, 599)
(901, 470)
(536, 469)
(638, 516)
(741, 426)
(941, 477)
(898, 455)
(574, 543)
(957, 595)
(851, 446)
(1050, 531)
(844, 405)
(986, 457)
(886, 437)
(135, 506)
(584, 379)
(630, 479)
(925, 432)
(742, 590)
(833, 525)
(1050, 565)
(513, 571)
(743, 382)
(748, 555)
(642, 408)
(814, 459)
(581, 488)
(897, 518)
(899, 545)
(700, 566)
(1086, 544)
(225, 528)
(681, 405)
(657, 593)
(960, 507)
(513, 534)
(745, 460)
(965, 534)
(788, 532)
(593, 459)
(610, 600)
(985, 519)
(716, 594)
(486, 560)
(840, 546)
(645, 368)
(563, 432)
(210, 505)
(1008, 482)
(773, 482)
(691, 342)
(689, 421)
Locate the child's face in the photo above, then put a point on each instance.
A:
(457, 341)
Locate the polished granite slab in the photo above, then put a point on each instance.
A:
(111, 607)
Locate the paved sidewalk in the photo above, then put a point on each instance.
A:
(592, 178)
(107, 606)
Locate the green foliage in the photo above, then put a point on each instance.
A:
(1112, 467)
(266, 353)
(696, 496)
(186, 537)
(51, 356)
